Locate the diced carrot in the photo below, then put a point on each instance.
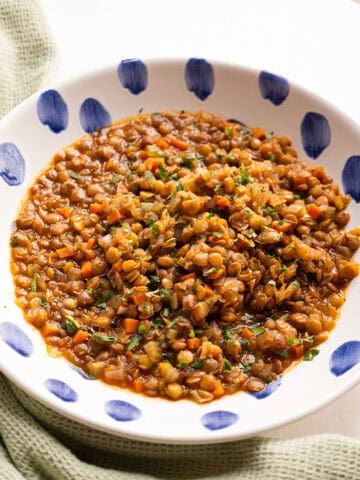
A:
(113, 216)
(143, 155)
(95, 207)
(219, 389)
(217, 274)
(90, 243)
(80, 337)
(49, 329)
(258, 133)
(117, 265)
(65, 252)
(161, 143)
(140, 288)
(187, 276)
(246, 333)
(175, 142)
(297, 350)
(87, 269)
(64, 211)
(221, 202)
(314, 211)
(138, 385)
(153, 163)
(208, 290)
(319, 173)
(130, 325)
(281, 226)
(139, 298)
(193, 343)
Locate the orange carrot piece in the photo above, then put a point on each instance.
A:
(217, 274)
(259, 133)
(49, 329)
(297, 350)
(138, 385)
(219, 389)
(140, 288)
(65, 252)
(64, 211)
(175, 142)
(139, 298)
(161, 143)
(319, 173)
(90, 243)
(117, 265)
(246, 333)
(80, 337)
(187, 276)
(143, 155)
(208, 291)
(153, 163)
(314, 211)
(221, 202)
(113, 216)
(281, 226)
(87, 269)
(193, 343)
(130, 325)
(95, 207)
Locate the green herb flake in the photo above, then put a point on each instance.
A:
(269, 135)
(182, 365)
(142, 329)
(282, 353)
(101, 305)
(173, 322)
(103, 338)
(164, 294)
(243, 342)
(198, 332)
(155, 229)
(311, 354)
(154, 282)
(272, 158)
(157, 322)
(116, 179)
(219, 186)
(149, 175)
(71, 325)
(179, 187)
(245, 131)
(150, 222)
(44, 303)
(292, 341)
(33, 284)
(133, 343)
(171, 196)
(227, 365)
(257, 331)
(162, 170)
(191, 333)
(147, 309)
(244, 178)
(13, 241)
(197, 363)
(297, 196)
(218, 234)
(188, 162)
(174, 176)
(227, 131)
(90, 291)
(75, 175)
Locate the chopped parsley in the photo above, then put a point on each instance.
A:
(33, 284)
(297, 196)
(197, 363)
(13, 241)
(272, 158)
(103, 338)
(75, 175)
(162, 170)
(157, 322)
(269, 135)
(243, 342)
(182, 365)
(155, 229)
(282, 353)
(150, 222)
(147, 309)
(164, 294)
(133, 343)
(227, 365)
(311, 354)
(244, 178)
(219, 186)
(142, 329)
(174, 176)
(257, 330)
(154, 282)
(70, 325)
(191, 333)
(44, 302)
(116, 179)
(173, 322)
(179, 187)
(188, 162)
(245, 131)
(171, 196)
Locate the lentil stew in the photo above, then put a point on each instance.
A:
(183, 256)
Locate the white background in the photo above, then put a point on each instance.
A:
(314, 43)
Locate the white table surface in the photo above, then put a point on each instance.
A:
(312, 42)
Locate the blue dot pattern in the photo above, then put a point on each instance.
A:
(199, 77)
(273, 87)
(82, 373)
(12, 164)
(61, 390)
(268, 390)
(351, 177)
(219, 419)
(52, 111)
(93, 115)
(345, 357)
(122, 411)
(16, 339)
(315, 134)
(133, 75)
(234, 120)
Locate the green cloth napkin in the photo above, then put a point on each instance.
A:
(38, 444)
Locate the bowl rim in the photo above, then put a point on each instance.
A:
(220, 436)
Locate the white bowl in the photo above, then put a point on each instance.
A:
(44, 123)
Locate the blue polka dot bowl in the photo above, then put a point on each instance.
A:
(51, 119)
